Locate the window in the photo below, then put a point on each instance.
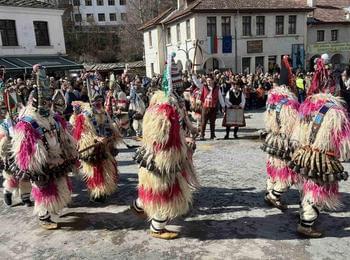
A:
(123, 17)
(76, 2)
(90, 17)
(99, 2)
(150, 38)
(122, 2)
(178, 34)
(259, 64)
(247, 25)
(78, 18)
(226, 25)
(188, 30)
(152, 69)
(168, 35)
(41, 33)
(88, 2)
(8, 32)
(101, 17)
(113, 17)
(334, 35)
(292, 29)
(111, 2)
(279, 25)
(211, 26)
(320, 35)
(246, 65)
(260, 25)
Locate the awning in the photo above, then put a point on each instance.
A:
(25, 64)
(114, 66)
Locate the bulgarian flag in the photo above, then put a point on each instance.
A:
(212, 44)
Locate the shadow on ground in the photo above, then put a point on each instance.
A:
(275, 225)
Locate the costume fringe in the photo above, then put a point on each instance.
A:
(101, 179)
(334, 132)
(159, 198)
(10, 183)
(54, 197)
(278, 170)
(324, 196)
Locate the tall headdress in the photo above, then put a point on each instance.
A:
(322, 80)
(42, 94)
(94, 92)
(58, 102)
(111, 81)
(2, 93)
(171, 77)
(286, 76)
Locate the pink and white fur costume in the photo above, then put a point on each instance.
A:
(333, 142)
(280, 176)
(33, 156)
(101, 176)
(11, 184)
(165, 192)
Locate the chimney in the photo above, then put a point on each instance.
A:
(312, 3)
(181, 4)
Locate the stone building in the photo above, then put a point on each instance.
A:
(241, 35)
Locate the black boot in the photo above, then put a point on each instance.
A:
(26, 200)
(308, 231)
(235, 131)
(227, 136)
(8, 198)
(100, 199)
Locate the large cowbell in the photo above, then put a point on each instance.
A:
(3, 110)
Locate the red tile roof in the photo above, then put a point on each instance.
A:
(251, 5)
(156, 20)
(329, 14)
(222, 6)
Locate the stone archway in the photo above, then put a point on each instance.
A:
(337, 61)
(212, 64)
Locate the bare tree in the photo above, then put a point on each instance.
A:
(139, 12)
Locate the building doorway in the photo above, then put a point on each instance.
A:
(246, 65)
(211, 64)
(259, 65)
(338, 61)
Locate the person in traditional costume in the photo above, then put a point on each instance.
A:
(196, 104)
(210, 97)
(323, 134)
(9, 112)
(44, 152)
(97, 138)
(166, 175)
(280, 118)
(137, 107)
(234, 112)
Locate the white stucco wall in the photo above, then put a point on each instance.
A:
(273, 45)
(96, 9)
(329, 46)
(25, 31)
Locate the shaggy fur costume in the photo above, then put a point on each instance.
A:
(100, 175)
(165, 191)
(33, 156)
(317, 159)
(278, 143)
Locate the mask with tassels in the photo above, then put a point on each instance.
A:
(41, 96)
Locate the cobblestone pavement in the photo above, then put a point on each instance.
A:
(229, 219)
